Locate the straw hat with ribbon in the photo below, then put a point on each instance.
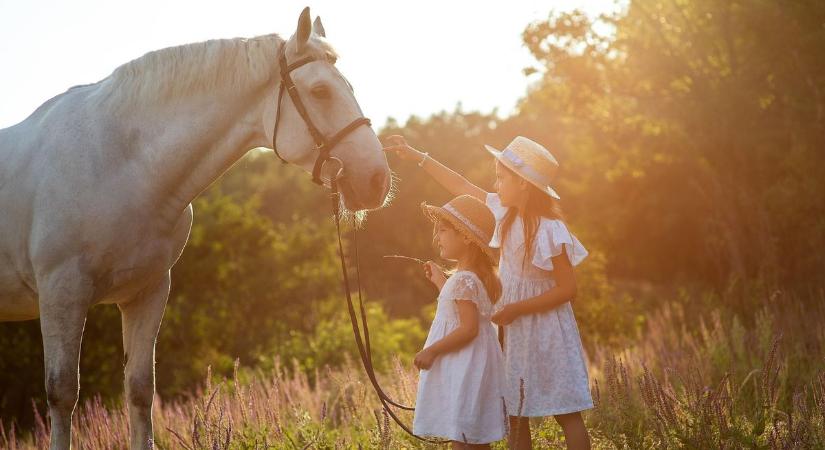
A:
(470, 217)
(531, 161)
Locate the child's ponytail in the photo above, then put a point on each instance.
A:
(482, 266)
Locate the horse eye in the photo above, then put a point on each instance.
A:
(321, 92)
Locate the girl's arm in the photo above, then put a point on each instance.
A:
(451, 180)
(458, 338)
(564, 291)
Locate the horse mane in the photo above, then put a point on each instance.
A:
(199, 67)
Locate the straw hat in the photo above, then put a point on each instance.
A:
(531, 161)
(470, 217)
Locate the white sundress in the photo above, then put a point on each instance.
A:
(461, 396)
(544, 349)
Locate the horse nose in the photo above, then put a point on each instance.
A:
(378, 181)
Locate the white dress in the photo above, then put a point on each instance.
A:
(543, 350)
(461, 396)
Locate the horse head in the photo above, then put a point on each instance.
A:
(319, 124)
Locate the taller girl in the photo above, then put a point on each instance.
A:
(545, 366)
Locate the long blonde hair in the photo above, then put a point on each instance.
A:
(479, 263)
(538, 205)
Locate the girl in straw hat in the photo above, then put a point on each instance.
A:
(460, 390)
(544, 360)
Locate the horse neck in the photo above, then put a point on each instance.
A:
(202, 135)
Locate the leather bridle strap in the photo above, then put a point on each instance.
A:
(363, 344)
(323, 145)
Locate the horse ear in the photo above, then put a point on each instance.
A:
(304, 29)
(318, 27)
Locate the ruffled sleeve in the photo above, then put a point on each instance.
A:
(494, 204)
(467, 286)
(551, 237)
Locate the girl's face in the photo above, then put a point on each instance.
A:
(451, 244)
(511, 188)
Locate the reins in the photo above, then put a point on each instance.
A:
(363, 344)
(324, 146)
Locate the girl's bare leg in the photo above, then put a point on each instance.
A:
(519, 437)
(575, 433)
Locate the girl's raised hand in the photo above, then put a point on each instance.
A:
(397, 145)
(434, 273)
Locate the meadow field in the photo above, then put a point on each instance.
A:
(709, 380)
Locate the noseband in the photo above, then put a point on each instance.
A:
(323, 144)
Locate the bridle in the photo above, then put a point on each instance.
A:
(323, 144)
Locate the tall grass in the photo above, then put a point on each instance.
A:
(277, 409)
(716, 382)
(692, 380)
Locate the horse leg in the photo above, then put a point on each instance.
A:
(64, 303)
(141, 321)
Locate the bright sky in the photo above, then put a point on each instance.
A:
(403, 57)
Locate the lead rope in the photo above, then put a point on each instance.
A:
(366, 326)
(364, 350)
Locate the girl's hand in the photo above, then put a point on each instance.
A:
(435, 274)
(398, 145)
(506, 316)
(424, 359)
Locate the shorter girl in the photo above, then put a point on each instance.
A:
(460, 388)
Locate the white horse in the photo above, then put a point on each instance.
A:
(96, 189)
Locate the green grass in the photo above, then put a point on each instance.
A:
(692, 379)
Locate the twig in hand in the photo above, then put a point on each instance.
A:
(410, 258)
